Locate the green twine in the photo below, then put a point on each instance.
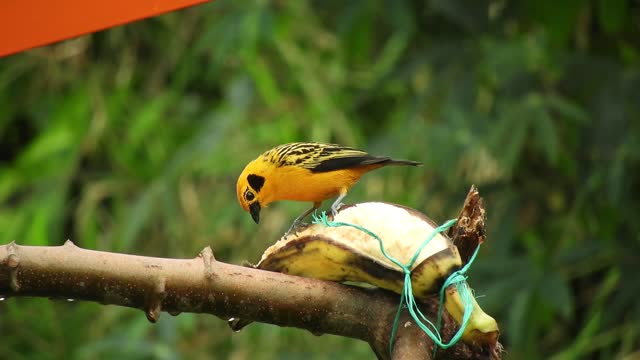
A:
(457, 278)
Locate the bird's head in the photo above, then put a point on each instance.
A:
(248, 192)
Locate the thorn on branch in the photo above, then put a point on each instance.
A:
(69, 243)
(13, 261)
(153, 313)
(207, 257)
(153, 307)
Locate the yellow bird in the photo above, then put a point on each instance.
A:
(305, 172)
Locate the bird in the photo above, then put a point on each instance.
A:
(305, 171)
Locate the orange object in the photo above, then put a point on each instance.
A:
(26, 24)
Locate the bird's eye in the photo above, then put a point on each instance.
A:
(248, 195)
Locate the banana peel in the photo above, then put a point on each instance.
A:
(347, 254)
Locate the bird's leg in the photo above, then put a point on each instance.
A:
(298, 221)
(336, 204)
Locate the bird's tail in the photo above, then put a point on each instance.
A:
(402, 162)
(385, 161)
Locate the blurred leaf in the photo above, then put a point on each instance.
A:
(519, 312)
(54, 140)
(510, 133)
(582, 342)
(612, 15)
(144, 121)
(544, 128)
(567, 109)
(555, 290)
(9, 181)
(264, 81)
(559, 19)
(594, 320)
(469, 14)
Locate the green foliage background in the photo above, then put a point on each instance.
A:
(131, 140)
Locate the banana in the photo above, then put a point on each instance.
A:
(481, 328)
(347, 254)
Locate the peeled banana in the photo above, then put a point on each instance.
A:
(347, 254)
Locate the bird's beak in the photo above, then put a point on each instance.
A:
(254, 209)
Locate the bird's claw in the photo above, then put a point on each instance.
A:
(297, 225)
(334, 209)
